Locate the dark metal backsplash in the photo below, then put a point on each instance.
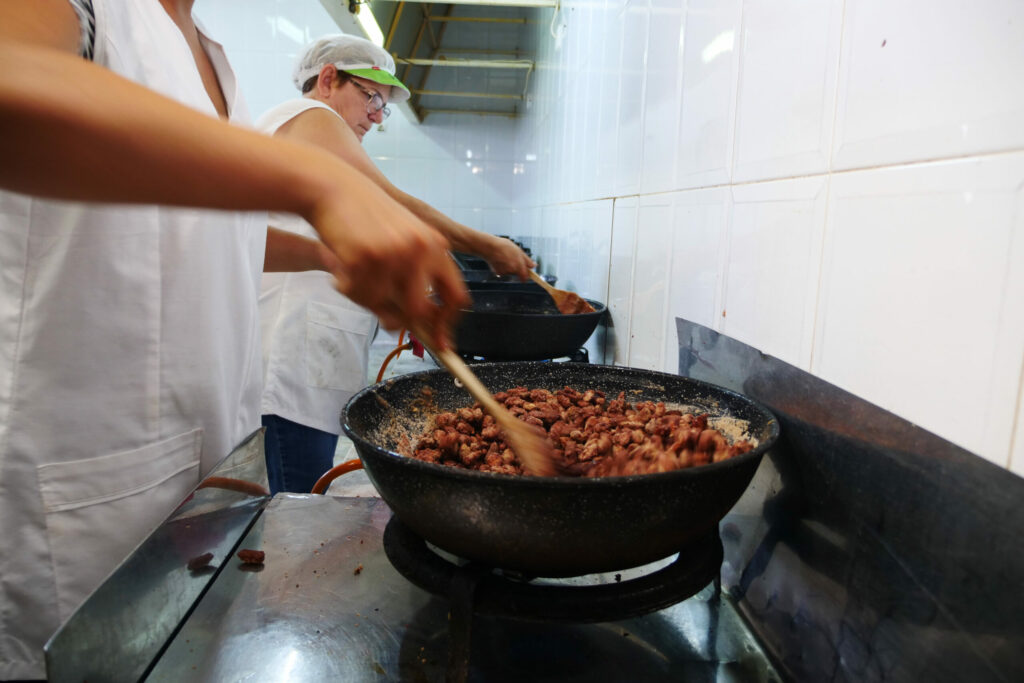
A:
(867, 549)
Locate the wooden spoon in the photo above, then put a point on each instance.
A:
(568, 303)
(528, 443)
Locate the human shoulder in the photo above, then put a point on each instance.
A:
(45, 23)
(287, 112)
(317, 125)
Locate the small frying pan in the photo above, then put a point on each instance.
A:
(518, 324)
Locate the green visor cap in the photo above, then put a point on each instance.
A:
(401, 94)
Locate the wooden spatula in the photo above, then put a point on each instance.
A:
(528, 442)
(568, 303)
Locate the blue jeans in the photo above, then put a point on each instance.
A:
(297, 455)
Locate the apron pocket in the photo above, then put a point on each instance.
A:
(337, 346)
(98, 509)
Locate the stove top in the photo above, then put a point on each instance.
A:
(328, 605)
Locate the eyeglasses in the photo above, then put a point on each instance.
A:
(375, 103)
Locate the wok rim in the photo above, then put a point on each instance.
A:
(599, 308)
(563, 481)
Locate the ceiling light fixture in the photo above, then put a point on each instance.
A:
(367, 22)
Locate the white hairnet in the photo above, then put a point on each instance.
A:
(354, 55)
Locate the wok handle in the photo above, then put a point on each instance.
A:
(532, 448)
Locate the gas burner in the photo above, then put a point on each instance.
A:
(500, 595)
(475, 589)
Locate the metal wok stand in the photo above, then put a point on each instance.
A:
(473, 588)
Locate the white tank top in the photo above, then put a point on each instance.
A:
(316, 342)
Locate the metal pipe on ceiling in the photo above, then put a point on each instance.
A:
(487, 20)
(416, 43)
(526, 83)
(480, 51)
(435, 41)
(434, 53)
(394, 25)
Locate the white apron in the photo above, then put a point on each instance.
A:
(316, 342)
(129, 358)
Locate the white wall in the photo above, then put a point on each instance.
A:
(836, 183)
(462, 165)
(263, 39)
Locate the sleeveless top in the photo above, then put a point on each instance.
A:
(316, 342)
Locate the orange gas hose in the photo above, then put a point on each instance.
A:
(323, 482)
(394, 354)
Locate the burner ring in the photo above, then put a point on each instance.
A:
(492, 595)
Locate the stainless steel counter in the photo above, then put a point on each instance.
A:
(328, 606)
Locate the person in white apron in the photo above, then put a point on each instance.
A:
(316, 342)
(129, 356)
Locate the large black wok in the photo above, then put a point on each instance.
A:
(550, 526)
(516, 324)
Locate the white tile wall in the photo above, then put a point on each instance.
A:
(698, 262)
(434, 139)
(620, 278)
(929, 80)
(663, 90)
(1013, 287)
(263, 39)
(707, 112)
(649, 323)
(922, 297)
(1017, 448)
(596, 227)
(589, 96)
(786, 157)
(774, 251)
(787, 88)
(632, 102)
(607, 46)
(382, 142)
(583, 233)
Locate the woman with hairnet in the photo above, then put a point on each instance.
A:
(316, 342)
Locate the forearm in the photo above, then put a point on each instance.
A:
(72, 130)
(461, 237)
(288, 252)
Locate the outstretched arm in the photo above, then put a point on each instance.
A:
(72, 130)
(321, 128)
(289, 252)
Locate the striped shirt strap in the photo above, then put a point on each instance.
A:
(87, 23)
